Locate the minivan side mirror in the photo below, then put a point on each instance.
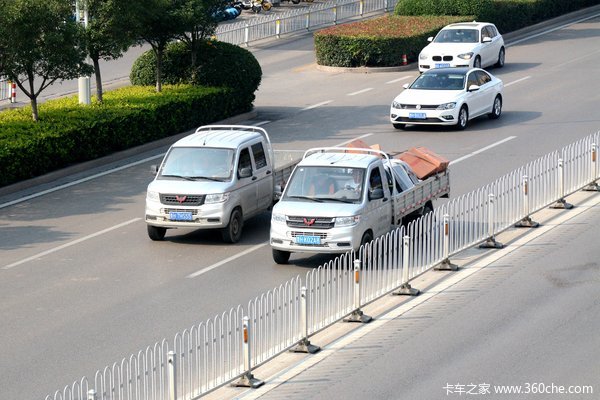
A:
(154, 169)
(376, 194)
(245, 172)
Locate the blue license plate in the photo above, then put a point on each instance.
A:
(180, 216)
(417, 115)
(442, 65)
(308, 239)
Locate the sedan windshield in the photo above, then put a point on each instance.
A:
(439, 80)
(457, 36)
(198, 163)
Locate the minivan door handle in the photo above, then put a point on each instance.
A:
(268, 172)
(385, 199)
(254, 178)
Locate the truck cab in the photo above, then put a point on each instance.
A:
(333, 203)
(216, 178)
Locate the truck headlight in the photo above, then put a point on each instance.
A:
(153, 196)
(347, 221)
(216, 198)
(278, 218)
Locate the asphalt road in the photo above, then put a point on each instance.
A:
(82, 285)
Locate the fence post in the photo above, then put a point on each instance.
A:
(361, 7)
(13, 92)
(357, 315)
(278, 28)
(491, 242)
(304, 345)
(335, 14)
(247, 379)
(172, 371)
(246, 34)
(91, 394)
(405, 288)
(308, 21)
(446, 265)
(561, 203)
(526, 222)
(593, 185)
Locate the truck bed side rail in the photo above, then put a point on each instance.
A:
(415, 198)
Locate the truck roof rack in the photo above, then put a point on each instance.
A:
(346, 150)
(251, 128)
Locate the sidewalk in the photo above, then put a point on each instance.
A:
(373, 360)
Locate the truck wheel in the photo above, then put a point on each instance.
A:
(233, 232)
(281, 256)
(367, 237)
(427, 208)
(156, 233)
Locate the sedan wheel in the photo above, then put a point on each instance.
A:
(399, 126)
(496, 108)
(477, 62)
(463, 118)
(501, 57)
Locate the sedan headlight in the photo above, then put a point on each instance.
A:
(423, 56)
(395, 104)
(216, 198)
(465, 56)
(278, 218)
(347, 221)
(153, 196)
(446, 106)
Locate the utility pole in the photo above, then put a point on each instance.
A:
(83, 83)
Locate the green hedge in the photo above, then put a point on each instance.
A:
(218, 64)
(69, 133)
(507, 15)
(379, 42)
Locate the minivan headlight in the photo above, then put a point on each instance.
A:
(278, 218)
(216, 198)
(153, 196)
(347, 221)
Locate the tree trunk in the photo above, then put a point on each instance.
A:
(98, 79)
(34, 109)
(159, 55)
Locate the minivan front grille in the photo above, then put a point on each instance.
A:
(310, 222)
(182, 199)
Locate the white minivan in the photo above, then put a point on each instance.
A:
(216, 178)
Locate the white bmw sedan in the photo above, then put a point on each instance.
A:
(448, 96)
(466, 44)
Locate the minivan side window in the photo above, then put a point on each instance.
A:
(260, 159)
(245, 161)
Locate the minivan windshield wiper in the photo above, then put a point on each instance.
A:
(193, 178)
(306, 198)
(187, 178)
(342, 200)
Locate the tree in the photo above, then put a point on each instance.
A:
(108, 33)
(158, 22)
(40, 39)
(197, 17)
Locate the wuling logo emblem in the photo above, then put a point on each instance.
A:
(309, 222)
(180, 199)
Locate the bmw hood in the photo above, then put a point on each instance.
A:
(312, 209)
(448, 48)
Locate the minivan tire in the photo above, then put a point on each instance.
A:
(156, 233)
(232, 233)
(281, 256)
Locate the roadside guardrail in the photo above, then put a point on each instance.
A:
(226, 349)
(6, 92)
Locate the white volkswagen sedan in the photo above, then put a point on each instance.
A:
(466, 44)
(448, 96)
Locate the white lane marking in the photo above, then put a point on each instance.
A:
(360, 91)
(316, 105)
(577, 59)
(352, 140)
(74, 242)
(89, 178)
(517, 81)
(482, 150)
(399, 79)
(225, 261)
(261, 123)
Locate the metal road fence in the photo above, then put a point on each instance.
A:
(5, 89)
(300, 19)
(226, 348)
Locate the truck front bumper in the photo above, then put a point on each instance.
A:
(207, 216)
(326, 241)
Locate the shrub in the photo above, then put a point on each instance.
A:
(377, 42)
(218, 64)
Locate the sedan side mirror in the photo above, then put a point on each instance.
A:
(473, 88)
(154, 169)
(406, 85)
(486, 39)
(430, 39)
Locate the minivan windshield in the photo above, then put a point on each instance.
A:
(198, 163)
(326, 184)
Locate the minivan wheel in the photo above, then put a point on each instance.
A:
(281, 256)
(496, 108)
(463, 118)
(156, 233)
(233, 232)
